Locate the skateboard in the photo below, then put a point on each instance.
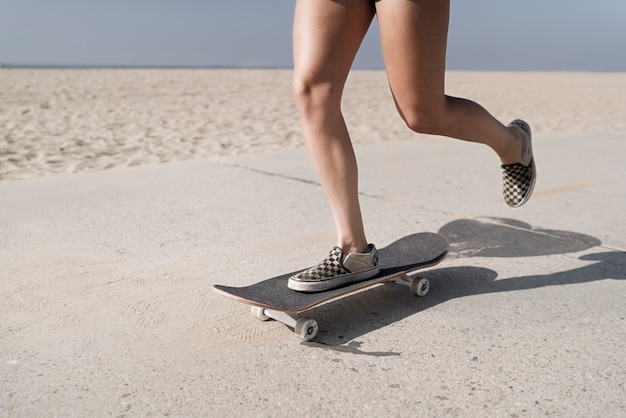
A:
(272, 299)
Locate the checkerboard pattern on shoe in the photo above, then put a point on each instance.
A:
(330, 267)
(337, 270)
(519, 179)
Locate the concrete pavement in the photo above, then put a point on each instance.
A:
(108, 310)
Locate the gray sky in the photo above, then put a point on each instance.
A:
(573, 35)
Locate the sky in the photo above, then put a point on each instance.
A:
(498, 35)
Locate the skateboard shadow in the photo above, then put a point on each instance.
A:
(385, 305)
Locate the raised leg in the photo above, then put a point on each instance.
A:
(414, 37)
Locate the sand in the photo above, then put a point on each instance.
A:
(77, 120)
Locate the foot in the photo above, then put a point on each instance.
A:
(337, 270)
(519, 178)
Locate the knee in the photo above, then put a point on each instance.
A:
(423, 121)
(302, 92)
(313, 95)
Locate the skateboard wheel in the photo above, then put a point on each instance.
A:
(420, 286)
(306, 328)
(259, 313)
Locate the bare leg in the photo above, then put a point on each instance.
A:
(414, 37)
(327, 35)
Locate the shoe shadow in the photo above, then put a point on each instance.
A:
(344, 320)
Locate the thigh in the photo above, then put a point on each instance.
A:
(413, 37)
(326, 37)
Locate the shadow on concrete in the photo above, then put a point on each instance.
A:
(344, 320)
(497, 237)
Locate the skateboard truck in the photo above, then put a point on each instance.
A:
(419, 285)
(306, 328)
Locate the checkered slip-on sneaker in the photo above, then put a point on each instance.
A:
(519, 179)
(337, 270)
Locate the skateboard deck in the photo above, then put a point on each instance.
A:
(271, 298)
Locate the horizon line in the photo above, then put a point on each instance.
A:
(259, 67)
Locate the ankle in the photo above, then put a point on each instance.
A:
(512, 152)
(350, 248)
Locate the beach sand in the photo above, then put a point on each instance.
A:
(76, 120)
